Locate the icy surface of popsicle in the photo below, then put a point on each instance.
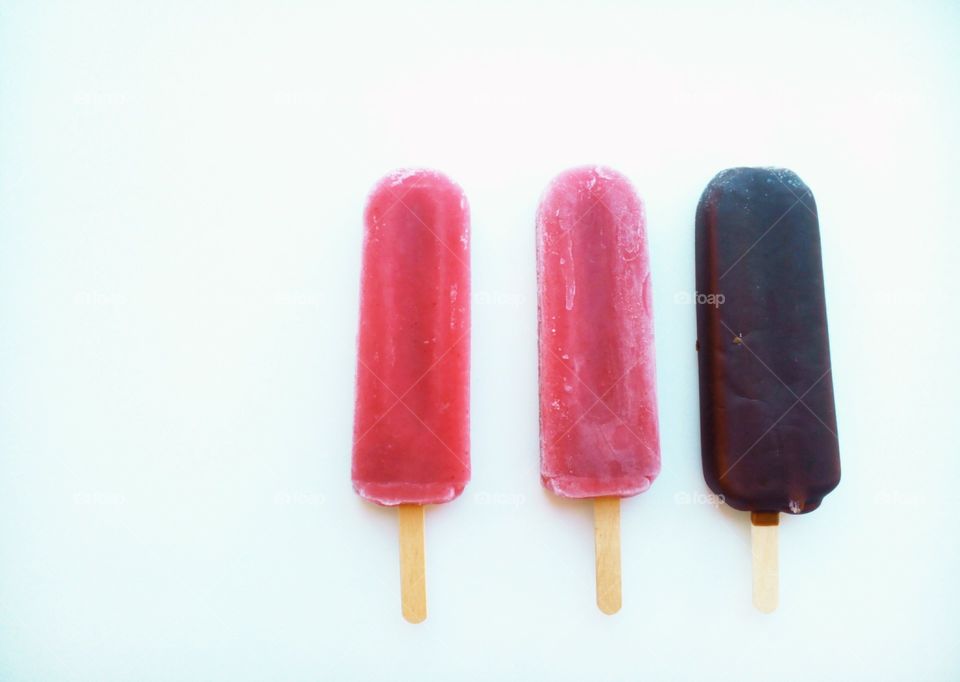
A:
(768, 423)
(411, 429)
(598, 408)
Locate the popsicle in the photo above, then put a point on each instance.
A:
(411, 430)
(599, 436)
(767, 417)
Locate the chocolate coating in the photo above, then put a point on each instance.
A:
(767, 417)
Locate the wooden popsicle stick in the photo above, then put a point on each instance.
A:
(766, 571)
(413, 582)
(606, 519)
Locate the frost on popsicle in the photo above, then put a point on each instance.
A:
(598, 410)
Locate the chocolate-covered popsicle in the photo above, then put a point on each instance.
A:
(767, 417)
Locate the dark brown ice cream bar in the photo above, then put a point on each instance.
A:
(767, 417)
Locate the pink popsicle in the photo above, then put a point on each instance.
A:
(411, 430)
(411, 442)
(598, 406)
(598, 410)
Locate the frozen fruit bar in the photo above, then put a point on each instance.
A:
(598, 407)
(411, 431)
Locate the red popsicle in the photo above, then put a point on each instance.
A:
(598, 410)
(411, 429)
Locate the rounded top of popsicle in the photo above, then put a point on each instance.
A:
(398, 183)
(758, 176)
(590, 186)
(597, 180)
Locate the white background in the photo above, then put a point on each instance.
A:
(181, 191)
